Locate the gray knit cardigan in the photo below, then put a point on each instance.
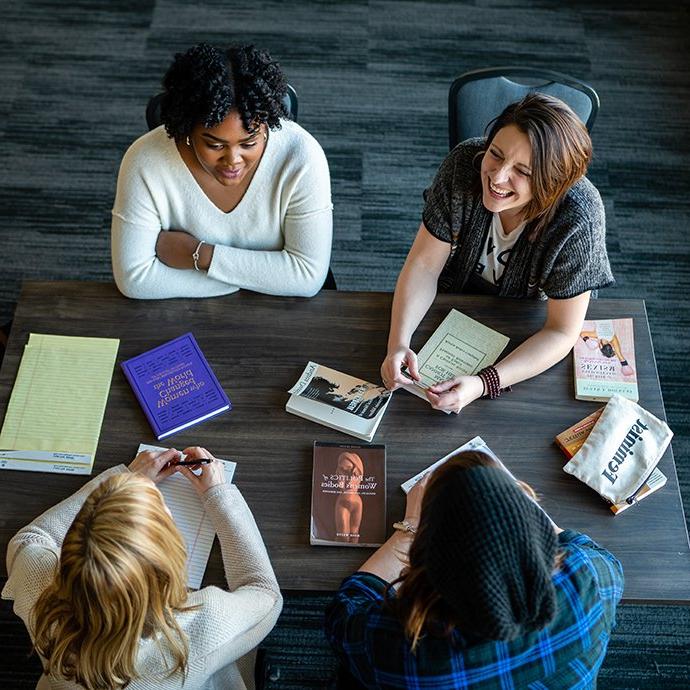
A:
(568, 258)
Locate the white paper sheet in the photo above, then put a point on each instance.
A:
(191, 518)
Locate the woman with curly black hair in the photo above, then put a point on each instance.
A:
(228, 193)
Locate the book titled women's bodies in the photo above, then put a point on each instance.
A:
(348, 495)
(604, 360)
(460, 346)
(175, 386)
(339, 401)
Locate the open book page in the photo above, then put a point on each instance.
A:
(477, 443)
(56, 409)
(191, 518)
(459, 346)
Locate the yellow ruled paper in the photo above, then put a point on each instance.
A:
(55, 413)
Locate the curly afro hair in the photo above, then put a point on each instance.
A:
(205, 83)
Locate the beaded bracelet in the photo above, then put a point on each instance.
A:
(492, 382)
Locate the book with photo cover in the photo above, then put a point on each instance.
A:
(604, 361)
(571, 440)
(175, 386)
(459, 346)
(339, 401)
(348, 496)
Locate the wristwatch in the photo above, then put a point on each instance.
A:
(196, 256)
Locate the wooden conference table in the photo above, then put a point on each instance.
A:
(258, 346)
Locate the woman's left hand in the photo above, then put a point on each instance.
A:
(156, 464)
(175, 248)
(413, 507)
(454, 394)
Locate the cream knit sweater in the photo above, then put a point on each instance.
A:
(277, 240)
(222, 633)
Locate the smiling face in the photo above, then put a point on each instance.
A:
(506, 172)
(228, 152)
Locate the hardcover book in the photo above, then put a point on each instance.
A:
(459, 346)
(571, 440)
(339, 401)
(604, 360)
(175, 386)
(348, 495)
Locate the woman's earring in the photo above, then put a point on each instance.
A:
(189, 143)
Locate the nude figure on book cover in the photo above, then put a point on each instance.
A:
(348, 507)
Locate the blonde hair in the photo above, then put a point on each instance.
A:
(122, 576)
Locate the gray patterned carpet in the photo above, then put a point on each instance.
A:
(372, 79)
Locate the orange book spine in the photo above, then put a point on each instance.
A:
(571, 440)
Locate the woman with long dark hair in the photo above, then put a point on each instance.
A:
(476, 588)
(512, 215)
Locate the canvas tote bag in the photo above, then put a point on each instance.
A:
(621, 451)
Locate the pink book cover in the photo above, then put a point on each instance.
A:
(604, 360)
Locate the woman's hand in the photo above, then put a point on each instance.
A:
(413, 508)
(155, 464)
(175, 248)
(212, 474)
(391, 373)
(454, 394)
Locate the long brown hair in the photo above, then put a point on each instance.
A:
(418, 604)
(121, 576)
(561, 151)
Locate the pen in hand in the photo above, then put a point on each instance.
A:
(190, 463)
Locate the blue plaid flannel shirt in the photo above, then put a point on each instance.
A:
(568, 653)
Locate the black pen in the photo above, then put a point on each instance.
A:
(189, 463)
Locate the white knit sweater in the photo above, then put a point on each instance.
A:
(222, 633)
(277, 240)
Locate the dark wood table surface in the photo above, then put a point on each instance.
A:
(258, 346)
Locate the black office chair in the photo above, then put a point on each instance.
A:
(153, 109)
(153, 120)
(475, 98)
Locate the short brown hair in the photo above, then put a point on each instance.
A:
(561, 151)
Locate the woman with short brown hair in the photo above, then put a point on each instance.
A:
(511, 215)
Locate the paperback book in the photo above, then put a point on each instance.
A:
(175, 386)
(348, 495)
(459, 346)
(604, 360)
(571, 440)
(339, 401)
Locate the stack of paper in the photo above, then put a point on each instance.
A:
(55, 413)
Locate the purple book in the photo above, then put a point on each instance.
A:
(175, 386)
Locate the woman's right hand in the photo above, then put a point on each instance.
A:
(212, 473)
(391, 369)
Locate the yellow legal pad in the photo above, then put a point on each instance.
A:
(56, 409)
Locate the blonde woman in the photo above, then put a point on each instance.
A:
(100, 582)
(476, 588)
